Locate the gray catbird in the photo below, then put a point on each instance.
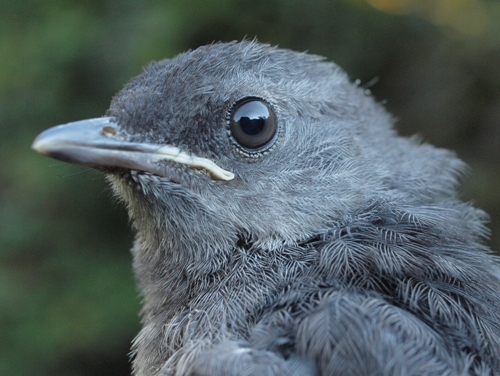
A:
(283, 228)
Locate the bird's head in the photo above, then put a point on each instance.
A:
(242, 141)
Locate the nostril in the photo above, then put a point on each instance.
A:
(108, 131)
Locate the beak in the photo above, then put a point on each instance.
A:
(96, 143)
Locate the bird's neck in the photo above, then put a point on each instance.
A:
(195, 296)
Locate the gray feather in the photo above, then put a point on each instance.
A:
(341, 250)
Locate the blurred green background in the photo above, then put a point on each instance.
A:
(68, 305)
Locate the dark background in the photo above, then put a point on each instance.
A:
(68, 305)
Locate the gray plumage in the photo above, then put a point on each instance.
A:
(342, 249)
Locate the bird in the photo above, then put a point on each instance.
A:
(283, 227)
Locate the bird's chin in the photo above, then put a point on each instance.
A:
(176, 177)
(129, 185)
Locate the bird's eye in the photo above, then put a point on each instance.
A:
(252, 124)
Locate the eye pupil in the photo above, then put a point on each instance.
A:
(253, 124)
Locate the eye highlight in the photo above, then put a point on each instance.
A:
(252, 124)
